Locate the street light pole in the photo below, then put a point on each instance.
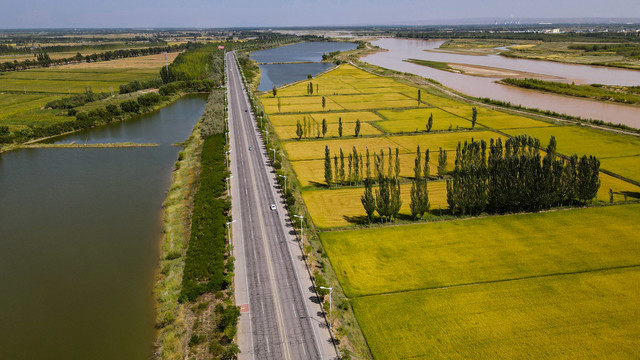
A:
(267, 136)
(274, 154)
(228, 182)
(229, 235)
(285, 183)
(301, 218)
(228, 152)
(330, 291)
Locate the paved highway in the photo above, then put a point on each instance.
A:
(280, 319)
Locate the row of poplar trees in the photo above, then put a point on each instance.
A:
(515, 177)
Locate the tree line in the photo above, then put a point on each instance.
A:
(314, 129)
(42, 59)
(496, 178)
(515, 177)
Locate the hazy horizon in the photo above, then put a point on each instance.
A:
(38, 14)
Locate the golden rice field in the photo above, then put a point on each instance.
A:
(308, 150)
(415, 120)
(557, 284)
(322, 204)
(582, 316)
(494, 248)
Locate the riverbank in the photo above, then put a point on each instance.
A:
(127, 116)
(614, 94)
(603, 54)
(74, 146)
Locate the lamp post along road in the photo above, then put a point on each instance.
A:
(330, 292)
(274, 155)
(230, 177)
(229, 234)
(228, 152)
(285, 184)
(301, 218)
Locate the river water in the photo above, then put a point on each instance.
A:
(79, 241)
(402, 49)
(310, 53)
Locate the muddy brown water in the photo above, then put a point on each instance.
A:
(402, 49)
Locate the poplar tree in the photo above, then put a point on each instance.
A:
(426, 168)
(274, 90)
(442, 163)
(368, 200)
(324, 127)
(356, 165)
(350, 174)
(588, 180)
(341, 167)
(336, 171)
(430, 122)
(419, 97)
(324, 102)
(390, 165)
(310, 88)
(395, 202)
(474, 116)
(304, 126)
(327, 166)
(383, 198)
(279, 105)
(368, 165)
(340, 126)
(299, 130)
(361, 169)
(357, 129)
(397, 167)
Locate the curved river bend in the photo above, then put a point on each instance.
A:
(402, 49)
(80, 239)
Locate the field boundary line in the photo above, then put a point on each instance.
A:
(587, 271)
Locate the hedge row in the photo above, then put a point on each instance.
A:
(204, 269)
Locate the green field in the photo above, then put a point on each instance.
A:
(24, 94)
(496, 248)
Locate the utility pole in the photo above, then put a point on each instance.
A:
(274, 154)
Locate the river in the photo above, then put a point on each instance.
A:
(402, 49)
(80, 239)
(301, 60)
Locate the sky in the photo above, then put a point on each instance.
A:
(277, 13)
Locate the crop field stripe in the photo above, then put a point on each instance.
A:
(578, 272)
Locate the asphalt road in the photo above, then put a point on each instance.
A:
(280, 316)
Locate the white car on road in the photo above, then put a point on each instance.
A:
(273, 206)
